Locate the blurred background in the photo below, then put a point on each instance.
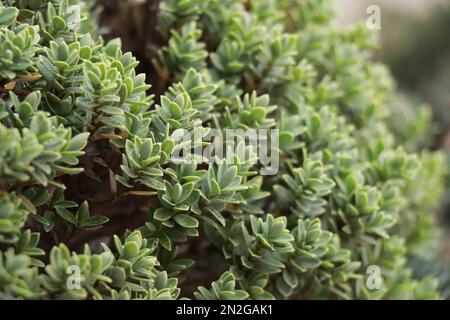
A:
(415, 44)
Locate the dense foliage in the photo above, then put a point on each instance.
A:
(87, 177)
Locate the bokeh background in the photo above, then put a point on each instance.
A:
(415, 44)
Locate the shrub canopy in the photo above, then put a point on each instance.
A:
(87, 177)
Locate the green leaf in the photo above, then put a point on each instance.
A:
(163, 214)
(78, 142)
(66, 215)
(94, 221)
(58, 23)
(165, 241)
(83, 213)
(8, 16)
(168, 146)
(186, 221)
(130, 249)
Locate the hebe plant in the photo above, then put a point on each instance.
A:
(88, 179)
